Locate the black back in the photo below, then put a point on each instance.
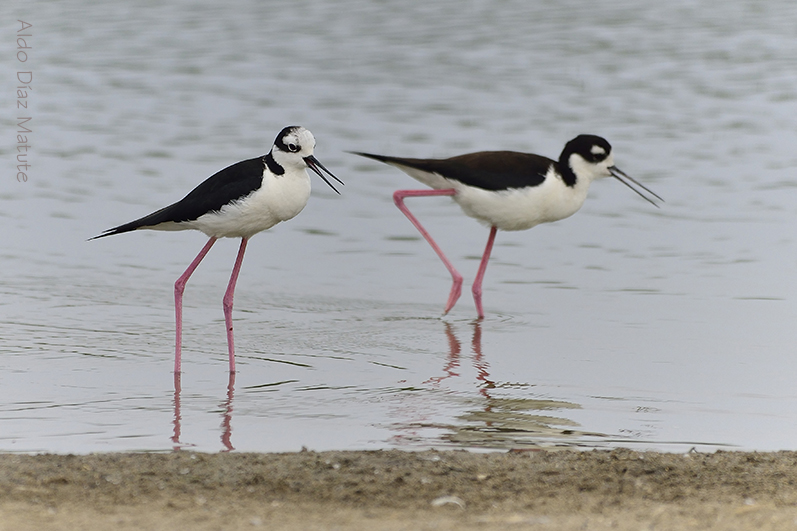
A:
(504, 170)
(489, 170)
(226, 186)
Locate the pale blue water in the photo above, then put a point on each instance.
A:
(621, 326)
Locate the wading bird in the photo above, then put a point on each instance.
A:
(238, 202)
(508, 190)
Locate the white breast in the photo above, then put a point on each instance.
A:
(280, 198)
(523, 208)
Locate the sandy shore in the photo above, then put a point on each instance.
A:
(394, 490)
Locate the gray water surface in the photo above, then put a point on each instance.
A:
(624, 325)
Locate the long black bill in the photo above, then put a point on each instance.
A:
(619, 175)
(316, 166)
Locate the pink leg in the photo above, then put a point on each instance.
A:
(228, 296)
(398, 198)
(179, 288)
(477, 284)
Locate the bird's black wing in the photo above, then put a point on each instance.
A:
(223, 187)
(489, 170)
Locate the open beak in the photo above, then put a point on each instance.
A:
(316, 166)
(622, 176)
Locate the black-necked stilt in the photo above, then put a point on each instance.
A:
(238, 202)
(508, 190)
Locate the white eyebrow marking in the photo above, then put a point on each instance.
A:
(597, 150)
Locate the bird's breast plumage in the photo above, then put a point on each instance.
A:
(279, 198)
(523, 208)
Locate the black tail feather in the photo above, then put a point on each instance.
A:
(156, 218)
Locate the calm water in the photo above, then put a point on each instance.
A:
(625, 325)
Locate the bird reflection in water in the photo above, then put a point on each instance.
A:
(177, 416)
(499, 416)
(452, 360)
(226, 422)
(226, 419)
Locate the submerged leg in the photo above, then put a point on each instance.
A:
(179, 288)
(477, 284)
(228, 296)
(398, 198)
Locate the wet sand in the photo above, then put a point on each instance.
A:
(393, 490)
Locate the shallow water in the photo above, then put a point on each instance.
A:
(625, 325)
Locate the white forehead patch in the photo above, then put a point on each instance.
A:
(302, 137)
(597, 150)
(306, 139)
